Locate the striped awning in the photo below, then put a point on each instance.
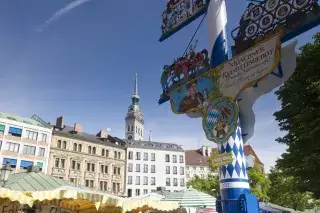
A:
(192, 198)
(16, 196)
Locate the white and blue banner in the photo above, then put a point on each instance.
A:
(247, 98)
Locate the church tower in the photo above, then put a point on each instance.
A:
(134, 119)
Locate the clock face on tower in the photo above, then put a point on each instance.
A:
(130, 137)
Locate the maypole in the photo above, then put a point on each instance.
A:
(205, 84)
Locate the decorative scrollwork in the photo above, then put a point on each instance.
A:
(260, 20)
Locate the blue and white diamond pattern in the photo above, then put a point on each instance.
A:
(212, 117)
(238, 167)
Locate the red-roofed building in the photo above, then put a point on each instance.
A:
(197, 161)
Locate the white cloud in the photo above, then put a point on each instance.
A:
(58, 14)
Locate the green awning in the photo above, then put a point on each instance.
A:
(40, 164)
(2, 128)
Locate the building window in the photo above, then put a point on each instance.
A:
(181, 159)
(72, 180)
(15, 131)
(119, 155)
(175, 170)
(145, 180)
(201, 168)
(63, 163)
(75, 146)
(43, 137)
(131, 128)
(73, 164)
(167, 181)
(94, 150)
(12, 147)
(145, 168)
(175, 182)
(167, 169)
(32, 135)
(182, 183)
(79, 148)
(174, 159)
(90, 167)
(153, 181)
(104, 169)
(114, 187)
(90, 183)
(103, 185)
(153, 169)
(59, 144)
(129, 180)
(119, 170)
(167, 158)
(64, 145)
(60, 163)
(137, 180)
(2, 128)
(153, 157)
(25, 164)
(181, 170)
(115, 154)
(107, 153)
(118, 187)
(137, 167)
(89, 149)
(128, 128)
(41, 151)
(194, 168)
(130, 167)
(138, 156)
(137, 192)
(145, 191)
(145, 156)
(114, 170)
(130, 155)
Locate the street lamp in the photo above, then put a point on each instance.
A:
(5, 172)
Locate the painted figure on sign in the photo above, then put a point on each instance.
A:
(193, 100)
(220, 128)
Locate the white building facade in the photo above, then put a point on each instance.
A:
(151, 165)
(24, 142)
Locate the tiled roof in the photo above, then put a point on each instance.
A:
(194, 157)
(153, 145)
(17, 118)
(67, 131)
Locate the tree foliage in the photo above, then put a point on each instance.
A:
(209, 185)
(300, 118)
(283, 191)
(259, 183)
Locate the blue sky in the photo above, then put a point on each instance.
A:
(78, 58)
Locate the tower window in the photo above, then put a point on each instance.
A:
(128, 128)
(132, 128)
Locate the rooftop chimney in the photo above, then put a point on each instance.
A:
(78, 128)
(59, 122)
(103, 134)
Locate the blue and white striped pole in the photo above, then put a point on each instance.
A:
(233, 177)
